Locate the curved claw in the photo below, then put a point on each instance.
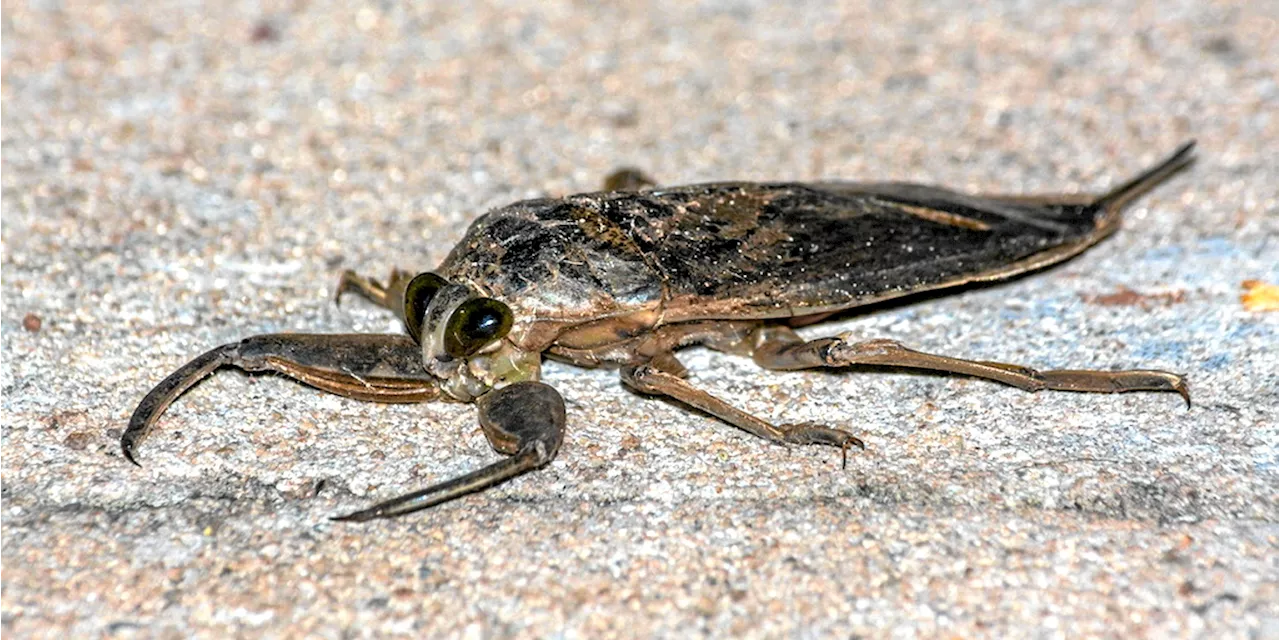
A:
(814, 433)
(1181, 388)
(525, 419)
(380, 368)
(160, 397)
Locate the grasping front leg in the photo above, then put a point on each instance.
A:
(658, 377)
(525, 420)
(780, 348)
(378, 368)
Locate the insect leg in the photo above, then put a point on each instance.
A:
(378, 368)
(525, 420)
(781, 348)
(649, 378)
(389, 296)
(627, 179)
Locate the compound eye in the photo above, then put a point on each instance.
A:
(474, 324)
(417, 297)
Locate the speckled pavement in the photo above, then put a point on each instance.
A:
(180, 175)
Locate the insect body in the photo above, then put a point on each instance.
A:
(624, 278)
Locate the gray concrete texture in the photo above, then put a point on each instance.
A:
(180, 175)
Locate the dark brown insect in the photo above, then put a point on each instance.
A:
(625, 277)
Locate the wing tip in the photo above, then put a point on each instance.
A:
(1117, 198)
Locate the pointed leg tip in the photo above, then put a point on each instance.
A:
(344, 285)
(1180, 386)
(128, 455)
(356, 516)
(851, 441)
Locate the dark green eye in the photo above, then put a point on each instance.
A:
(474, 324)
(417, 296)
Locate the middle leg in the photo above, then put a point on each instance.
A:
(658, 377)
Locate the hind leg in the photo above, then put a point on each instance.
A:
(780, 348)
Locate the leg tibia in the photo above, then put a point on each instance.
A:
(783, 349)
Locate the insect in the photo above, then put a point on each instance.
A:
(626, 277)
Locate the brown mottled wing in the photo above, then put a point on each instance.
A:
(777, 250)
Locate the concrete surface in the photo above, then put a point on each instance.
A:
(179, 175)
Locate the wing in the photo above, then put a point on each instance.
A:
(782, 250)
(778, 250)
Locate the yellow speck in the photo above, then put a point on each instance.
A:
(1260, 296)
